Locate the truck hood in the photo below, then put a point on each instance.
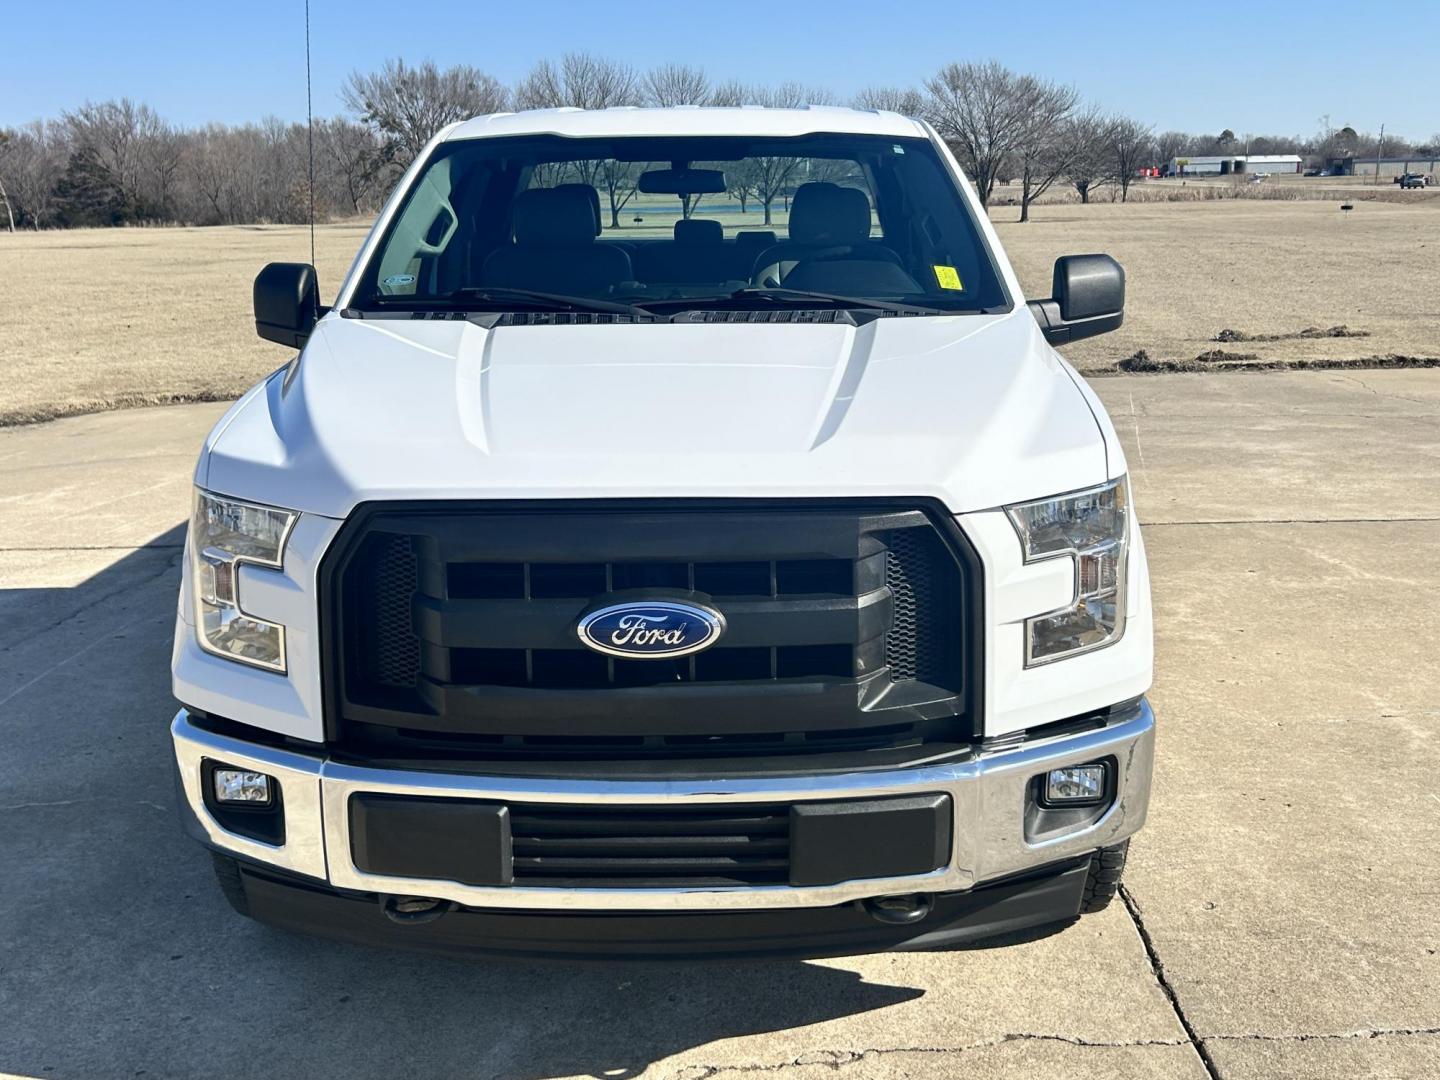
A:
(973, 410)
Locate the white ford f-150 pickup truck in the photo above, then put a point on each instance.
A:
(680, 537)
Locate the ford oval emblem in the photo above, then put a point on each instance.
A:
(651, 629)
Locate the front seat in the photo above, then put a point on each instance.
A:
(554, 248)
(827, 221)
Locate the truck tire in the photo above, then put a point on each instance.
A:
(227, 875)
(1106, 868)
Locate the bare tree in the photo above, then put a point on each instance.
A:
(620, 179)
(6, 138)
(1170, 145)
(162, 152)
(1048, 142)
(905, 100)
(1131, 145)
(33, 159)
(408, 105)
(581, 80)
(984, 111)
(730, 93)
(1091, 165)
(789, 95)
(771, 177)
(739, 183)
(110, 137)
(353, 155)
(675, 84)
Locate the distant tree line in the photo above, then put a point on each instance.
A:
(118, 162)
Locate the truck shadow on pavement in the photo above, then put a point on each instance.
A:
(118, 956)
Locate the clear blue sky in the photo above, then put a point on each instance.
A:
(1254, 66)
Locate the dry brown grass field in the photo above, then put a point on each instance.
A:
(95, 319)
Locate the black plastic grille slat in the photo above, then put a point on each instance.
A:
(844, 633)
(638, 846)
(552, 581)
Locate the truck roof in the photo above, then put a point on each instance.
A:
(685, 120)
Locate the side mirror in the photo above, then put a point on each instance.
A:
(287, 303)
(1088, 298)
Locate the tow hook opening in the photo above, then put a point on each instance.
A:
(898, 910)
(414, 910)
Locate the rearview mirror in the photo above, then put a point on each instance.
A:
(287, 303)
(682, 182)
(1087, 298)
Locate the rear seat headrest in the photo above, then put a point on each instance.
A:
(825, 213)
(554, 217)
(699, 231)
(756, 240)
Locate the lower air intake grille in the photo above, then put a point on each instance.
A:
(632, 847)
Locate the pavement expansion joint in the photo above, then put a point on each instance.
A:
(1157, 968)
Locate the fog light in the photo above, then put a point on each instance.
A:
(240, 786)
(1075, 785)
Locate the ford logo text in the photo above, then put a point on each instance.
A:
(651, 630)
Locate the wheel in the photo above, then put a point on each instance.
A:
(227, 876)
(1107, 866)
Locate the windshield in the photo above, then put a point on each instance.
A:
(668, 224)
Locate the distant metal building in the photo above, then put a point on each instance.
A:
(1225, 164)
(1386, 166)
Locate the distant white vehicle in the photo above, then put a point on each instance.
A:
(752, 589)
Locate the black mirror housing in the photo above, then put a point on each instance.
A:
(1087, 298)
(287, 303)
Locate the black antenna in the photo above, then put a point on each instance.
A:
(310, 124)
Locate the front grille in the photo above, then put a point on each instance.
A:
(630, 847)
(452, 631)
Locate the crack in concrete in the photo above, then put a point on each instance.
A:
(164, 571)
(77, 802)
(1157, 968)
(1377, 393)
(1314, 1036)
(91, 605)
(839, 1059)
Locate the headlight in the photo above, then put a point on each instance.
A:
(1091, 528)
(223, 534)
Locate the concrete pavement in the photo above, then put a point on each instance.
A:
(1283, 900)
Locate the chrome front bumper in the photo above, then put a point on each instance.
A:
(989, 794)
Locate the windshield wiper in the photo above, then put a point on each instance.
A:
(493, 294)
(782, 293)
(791, 296)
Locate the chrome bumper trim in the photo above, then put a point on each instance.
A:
(988, 792)
(299, 776)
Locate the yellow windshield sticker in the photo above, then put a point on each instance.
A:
(949, 278)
